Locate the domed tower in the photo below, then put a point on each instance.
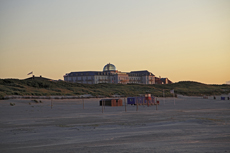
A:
(109, 67)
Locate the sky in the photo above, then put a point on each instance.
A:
(183, 40)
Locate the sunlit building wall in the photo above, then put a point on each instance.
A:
(110, 75)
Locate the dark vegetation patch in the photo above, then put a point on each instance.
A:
(45, 87)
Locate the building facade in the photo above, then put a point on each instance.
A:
(162, 80)
(110, 75)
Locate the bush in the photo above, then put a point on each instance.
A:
(44, 87)
(2, 95)
(12, 104)
(35, 101)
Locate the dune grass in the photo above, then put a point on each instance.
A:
(45, 87)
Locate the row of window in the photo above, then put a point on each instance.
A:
(86, 78)
(104, 81)
(85, 74)
(105, 73)
(135, 79)
(104, 77)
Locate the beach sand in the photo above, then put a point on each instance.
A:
(193, 124)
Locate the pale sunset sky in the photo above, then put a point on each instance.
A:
(184, 40)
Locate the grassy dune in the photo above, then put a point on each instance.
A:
(45, 87)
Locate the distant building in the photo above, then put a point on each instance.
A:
(111, 75)
(162, 80)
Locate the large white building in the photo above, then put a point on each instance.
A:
(110, 75)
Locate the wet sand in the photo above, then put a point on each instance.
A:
(193, 124)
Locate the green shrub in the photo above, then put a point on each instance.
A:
(44, 87)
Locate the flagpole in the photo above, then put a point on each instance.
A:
(172, 91)
(174, 98)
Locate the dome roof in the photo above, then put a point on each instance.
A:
(109, 67)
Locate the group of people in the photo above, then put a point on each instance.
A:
(222, 98)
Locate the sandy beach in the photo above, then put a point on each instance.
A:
(193, 124)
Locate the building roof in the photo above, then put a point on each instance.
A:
(145, 72)
(109, 67)
(163, 79)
